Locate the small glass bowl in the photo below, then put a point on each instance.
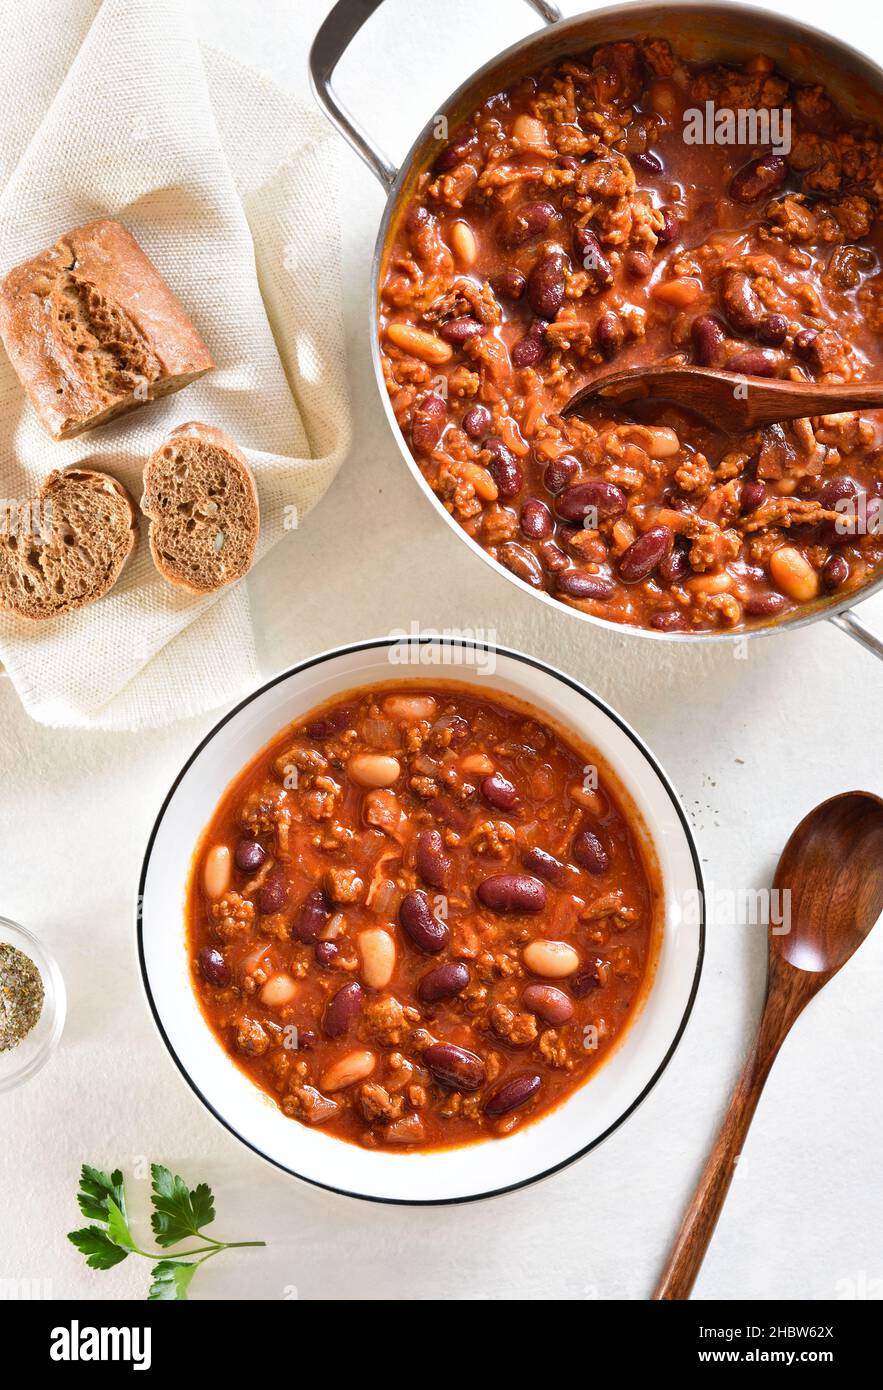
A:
(19, 1064)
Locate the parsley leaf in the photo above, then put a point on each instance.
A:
(171, 1280)
(118, 1227)
(101, 1252)
(178, 1211)
(95, 1189)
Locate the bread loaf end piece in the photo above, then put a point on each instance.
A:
(202, 504)
(93, 330)
(67, 546)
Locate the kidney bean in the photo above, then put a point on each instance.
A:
(417, 218)
(443, 982)
(273, 895)
(477, 421)
(428, 932)
(587, 980)
(531, 349)
(522, 563)
(579, 584)
(754, 362)
(751, 495)
(512, 893)
(591, 257)
(452, 155)
(646, 162)
(609, 334)
(343, 1010)
(764, 605)
(306, 1038)
(837, 490)
(499, 791)
(528, 221)
(589, 853)
(668, 620)
(773, 330)
(637, 264)
(511, 1094)
(559, 472)
(676, 564)
(503, 467)
(545, 285)
(536, 519)
(758, 179)
(311, 917)
(250, 856)
(552, 556)
(707, 334)
(326, 953)
(804, 342)
(578, 502)
(433, 864)
(454, 726)
(213, 967)
(568, 161)
(548, 1002)
(835, 572)
(510, 283)
(739, 300)
(644, 554)
(670, 229)
(328, 725)
(541, 862)
(458, 331)
(454, 1066)
(427, 423)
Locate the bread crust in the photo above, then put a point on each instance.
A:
(93, 330)
(12, 599)
(212, 436)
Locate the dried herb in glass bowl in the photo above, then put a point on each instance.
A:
(21, 996)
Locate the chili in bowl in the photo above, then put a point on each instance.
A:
(453, 923)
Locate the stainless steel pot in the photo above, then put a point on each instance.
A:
(720, 31)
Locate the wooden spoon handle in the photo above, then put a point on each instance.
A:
(697, 1227)
(770, 401)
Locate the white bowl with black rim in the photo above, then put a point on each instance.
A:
(484, 1169)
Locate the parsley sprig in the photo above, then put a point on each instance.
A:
(179, 1213)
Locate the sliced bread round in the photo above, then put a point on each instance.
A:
(65, 547)
(202, 504)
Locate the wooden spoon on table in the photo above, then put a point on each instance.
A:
(726, 400)
(833, 868)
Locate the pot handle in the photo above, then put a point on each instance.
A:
(333, 39)
(849, 623)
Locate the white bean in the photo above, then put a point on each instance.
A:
(377, 953)
(410, 707)
(279, 990)
(551, 959)
(217, 872)
(793, 574)
(373, 769)
(352, 1067)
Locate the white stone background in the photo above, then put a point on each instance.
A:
(751, 745)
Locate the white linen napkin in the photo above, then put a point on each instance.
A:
(230, 186)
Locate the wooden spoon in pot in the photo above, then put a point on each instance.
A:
(833, 868)
(726, 400)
